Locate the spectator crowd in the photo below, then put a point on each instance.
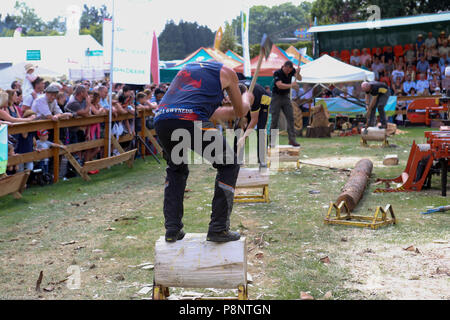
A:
(37, 99)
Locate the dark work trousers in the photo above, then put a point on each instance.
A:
(262, 123)
(282, 103)
(381, 103)
(178, 172)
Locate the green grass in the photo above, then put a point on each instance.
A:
(291, 225)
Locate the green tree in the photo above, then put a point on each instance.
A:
(228, 39)
(91, 21)
(27, 18)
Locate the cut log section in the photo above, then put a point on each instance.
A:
(356, 185)
(196, 263)
(390, 160)
(250, 179)
(284, 153)
(374, 134)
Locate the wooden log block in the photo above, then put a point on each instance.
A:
(196, 263)
(374, 134)
(284, 150)
(14, 184)
(318, 132)
(390, 160)
(252, 177)
(391, 129)
(356, 184)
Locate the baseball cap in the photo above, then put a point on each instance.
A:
(52, 89)
(42, 133)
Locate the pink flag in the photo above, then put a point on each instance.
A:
(155, 59)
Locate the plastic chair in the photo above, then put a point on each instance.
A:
(345, 55)
(385, 48)
(398, 51)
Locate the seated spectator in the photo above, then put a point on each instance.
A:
(355, 59)
(377, 67)
(5, 114)
(412, 92)
(398, 73)
(389, 67)
(365, 57)
(410, 70)
(422, 65)
(434, 52)
(430, 41)
(440, 40)
(385, 78)
(44, 144)
(379, 54)
(419, 42)
(397, 87)
(389, 54)
(46, 107)
(444, 49)
(410, 55)
(367, 65)
(434, 83)
(408, 84)
(38, 89)
(422, 85)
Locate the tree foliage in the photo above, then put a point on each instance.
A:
(339, 11)
(177, 41)
(228, 39)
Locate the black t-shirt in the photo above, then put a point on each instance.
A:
(378, 88)
(279, 75)
(262, 99)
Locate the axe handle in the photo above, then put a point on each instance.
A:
(258, 67)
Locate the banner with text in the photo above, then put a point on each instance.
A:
(3, 147)
(132, 42)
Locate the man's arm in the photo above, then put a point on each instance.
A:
(298, 76)
(230, 82)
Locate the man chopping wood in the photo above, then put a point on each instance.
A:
(380, 96)
(257, 117)
(191, 103)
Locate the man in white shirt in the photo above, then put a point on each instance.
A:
(430, 41)
(46, 107)
(422, 85)
(398, 73)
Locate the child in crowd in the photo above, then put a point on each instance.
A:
(26, 143)
(10, 170)
(44, 144)
(30, 76)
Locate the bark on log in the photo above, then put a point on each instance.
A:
(319, 132)
(356, 185)
(196, 263)
(390, 160)
(374, 134)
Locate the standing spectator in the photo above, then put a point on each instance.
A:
(430, 41)
(44, 144)
(419, 42)
(15, 85)
(365, 57)
(26, 143)
(280, 98)
(159, 94)
(30, 77)
(422, 65)
(408, 84)
(38, 89)
(46, 107)
(5, 115)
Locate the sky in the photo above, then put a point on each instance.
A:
(212, 13)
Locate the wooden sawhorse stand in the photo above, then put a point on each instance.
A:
(252, 178)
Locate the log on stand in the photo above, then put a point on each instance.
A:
(356, 185)
(374, 134)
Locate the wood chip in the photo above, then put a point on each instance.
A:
(325, 260)
(39, 281)
(145, 290)
(410, 248)
(306, 296)
(328, 295)
(68, 243)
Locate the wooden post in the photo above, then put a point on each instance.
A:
(355, 186)
(56, 139)
(196, 263)
(142, 133)
(107, 133)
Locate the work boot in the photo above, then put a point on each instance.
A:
(174, 236)
(294, 143)
(223, 236)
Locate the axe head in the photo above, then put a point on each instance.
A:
(266, 45)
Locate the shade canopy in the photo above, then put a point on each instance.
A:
(327, 69)
(17, 72)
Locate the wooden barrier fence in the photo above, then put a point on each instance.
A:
(55, 153)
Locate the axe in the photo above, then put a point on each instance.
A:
(264, 52)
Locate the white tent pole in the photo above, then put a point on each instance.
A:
(111, 83)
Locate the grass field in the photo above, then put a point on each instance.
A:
(108, 226)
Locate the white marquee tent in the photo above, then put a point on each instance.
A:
(327, 69)
(17, 72)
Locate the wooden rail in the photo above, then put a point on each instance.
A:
(55, 153)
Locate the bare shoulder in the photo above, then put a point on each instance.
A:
(227, 77)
